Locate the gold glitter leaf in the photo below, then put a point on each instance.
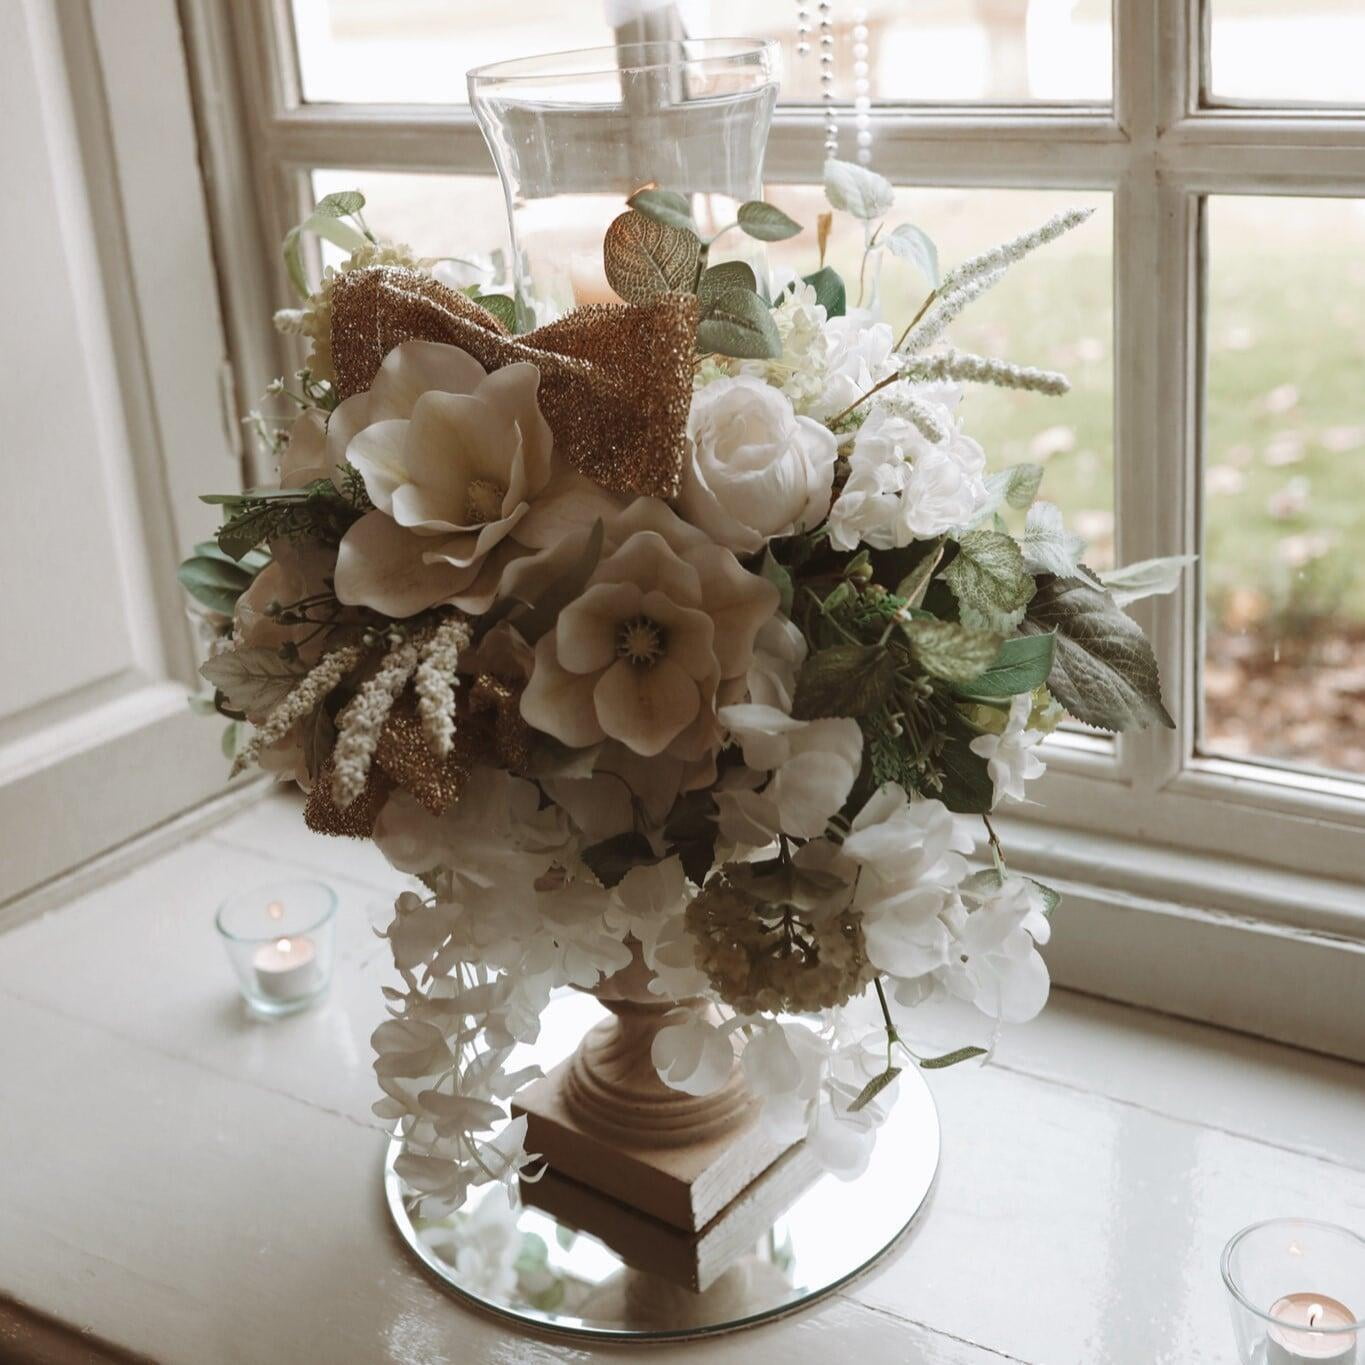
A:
(645, 258)
(615, 382)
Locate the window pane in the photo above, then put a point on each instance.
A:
(417, 51)
(1288, 50)
(1284, 482)
(936, 50)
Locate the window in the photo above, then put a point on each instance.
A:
(1211, 314)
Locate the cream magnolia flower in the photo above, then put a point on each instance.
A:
(814, 764)
(903, 487)
(458, 464)
(755, 469)
(665, 623)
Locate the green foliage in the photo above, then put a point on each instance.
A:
(965, 784)
(644, 257)
(664, 206)
(873, 1088)
(952, 652)
(1147, 578)
(766, 222)
(962, 1054)
(779, 577)
(909, 243)
(719, 280)
(1047, 545)
(1103, 671)
(857, 190)
(989, 878)
(1014, 487)
(610, 859)
(215, 580)
(690, 833)
(324, 221)
(1023, 663)
(739, 324)
(317, 512)
(988, 579)
(844, 680)
(829, 290)
(502, 306)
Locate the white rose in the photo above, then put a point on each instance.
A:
(757, 470)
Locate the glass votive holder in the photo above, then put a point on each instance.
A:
(1297, 1292)
(280, 939)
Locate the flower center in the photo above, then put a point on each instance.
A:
(483, 502)
(640, 641)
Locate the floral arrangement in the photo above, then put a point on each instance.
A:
(692, 629)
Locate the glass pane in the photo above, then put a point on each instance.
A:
(1289, 50)
(417, 51)
(1284, 482)
(1054, 310)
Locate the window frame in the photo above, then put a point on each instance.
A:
(1159, 148)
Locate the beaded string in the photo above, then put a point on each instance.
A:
(862, 100)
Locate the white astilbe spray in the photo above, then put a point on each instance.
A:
(925, 417)
(361, 723)
(434, 684)
(316, 684)
(979, 369)
(949, 305)
(999, 258)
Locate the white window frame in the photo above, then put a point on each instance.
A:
(1235, 858)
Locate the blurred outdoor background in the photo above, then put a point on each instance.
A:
(1284, 323)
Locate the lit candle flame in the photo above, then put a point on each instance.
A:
(283, 945)
(275, 910)
(1314, 1314)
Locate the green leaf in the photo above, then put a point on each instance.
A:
(777, 575)
(1022, 664)
(1103, 670)
(244, 532)
(664, 206)
(1016, 487)
(215, 582)
(829, 291)
(610, 859)
(844, 680)
(857, 190)
(293, 262)
(251, 564)
(913, 244)
(690, 833)
(767, 222)
(967, 787)
(720, 279)
(1047, 545)
(502, 306)
(645, 258)
(1147, 578)
(989, 581)
(739, 324)
(873, 1088)
(916, 583)
(340, 204)
(980, 883)
(963, 1054)
(231, 734)
(946, 650)
(254, 680)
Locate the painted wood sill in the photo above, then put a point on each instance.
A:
(191, 1186)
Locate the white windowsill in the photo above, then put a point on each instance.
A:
(195, 1187)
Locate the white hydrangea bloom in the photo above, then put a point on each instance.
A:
(995, 963)
(1011, 756)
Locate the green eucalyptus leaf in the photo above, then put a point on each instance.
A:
(989, 580)
(962, 1054)
(645, 258)
(214, 582)
(844, 680)
(913, 244)
(1103, 669)
(829, 290)
(766, 222)
(857, 190)
(739, 324)
(1022, 664)
(502, 307)
(664, 206)
(716, 282)
(949, 651)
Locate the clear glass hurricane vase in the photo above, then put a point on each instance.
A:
(573, 134)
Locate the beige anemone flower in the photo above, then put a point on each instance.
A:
(459, 465)
(665, 622)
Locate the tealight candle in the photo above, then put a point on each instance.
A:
(1308, 1328)
(286, 968)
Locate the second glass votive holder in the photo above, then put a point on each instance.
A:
(280, 939)
(1298, 1293)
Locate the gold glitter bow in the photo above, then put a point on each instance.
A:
(615, 381)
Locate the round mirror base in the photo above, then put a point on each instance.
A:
(571, 1262)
